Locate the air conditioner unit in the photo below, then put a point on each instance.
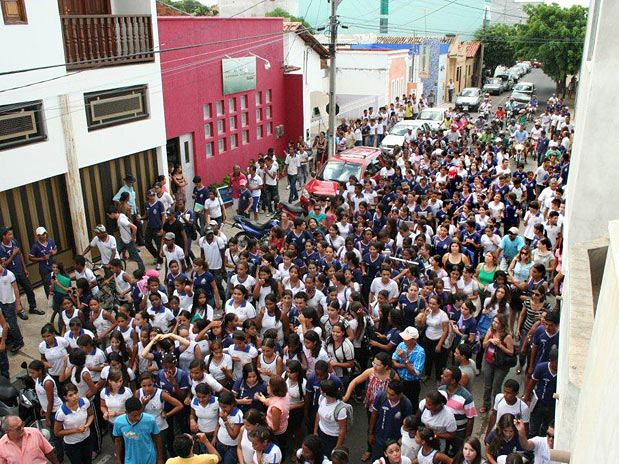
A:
(107, 108)
(279, 131)
(18, 125)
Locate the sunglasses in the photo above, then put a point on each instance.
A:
(551, 435)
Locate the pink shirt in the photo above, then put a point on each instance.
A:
(34, 447)
(235, 181)
(283, 404)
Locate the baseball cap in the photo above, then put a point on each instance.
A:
(100, 229)
(208, 230)
(243, 182)
(129, 178)
(213, 222)
(158, 185)
(151, 193)
(41, 231)
(513, 230)
(170, 236)
(4, 230)
(410, 333)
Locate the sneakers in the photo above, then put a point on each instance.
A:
(15, 348)
(23, 316)
(36, 311)
(158, 266)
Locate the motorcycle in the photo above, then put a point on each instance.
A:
(292, 210)
(251, 230)
(23, 403)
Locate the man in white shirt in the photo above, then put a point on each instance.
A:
(10, 303)
(172, 252)
(105, 243)
(163, 196)
(128, 233)
(270, 181)
(540, 446)
(254, 184)
(293, 162)
(212, 251)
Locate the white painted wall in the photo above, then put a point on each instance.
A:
(442, 76)
(363, 73)
(39, 43)
(297, 53)
(234, 7)
(130, 6)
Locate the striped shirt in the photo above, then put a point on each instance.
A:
(460, 404)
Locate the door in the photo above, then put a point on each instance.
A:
(186, 161)
(84, 7)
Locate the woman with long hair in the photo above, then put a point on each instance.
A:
(313, 350)
(296, 382)
(531, 313)
(53, 350)
(78, 374)
(219, 364)
(498, 337)
(271, 317)
(341, 352)
(265, 284)
(200, 308)
(498, 302)
(503, 440)
(429, 448)
(251, 420)
(113, 396)
(247, 388)
(470, 453)
(330, 427)
(436, 323)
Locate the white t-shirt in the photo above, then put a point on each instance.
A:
(215, 368)
(124, 228)
(214, 207)
(223, 437)
(344, 353)
(327, 421)
(107, 249)
(115, 402)
(442, 422)
(391, 287)
(519, 409)
(244, 312)
(434, 324)
(73, 419)
(293, 163)
(245, 357)
(270, 175)
(212, 252)
(255, 183)
(161, 318)
(272, 455)
(90, 277)
(55, 354)
(176, 254)
(207, 416)
(541, 451)
(7, 293)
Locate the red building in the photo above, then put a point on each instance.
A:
(224, 100)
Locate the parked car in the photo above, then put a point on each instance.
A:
(500, 70)
(434, 117)
(396, 135)
(494, 86)
(507, 81)
(469, 99)
(353, 162)
(514, 74)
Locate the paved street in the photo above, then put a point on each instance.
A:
(356, 437)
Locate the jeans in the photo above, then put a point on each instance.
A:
(371, 140)
(541, 416)
(292, 181)
(328, 442)
(302, 176)
(493, 381)
(134, 254)
(450, 92)
(22, 280)
(411, 391)
(57, 441)
(152, 236)
(4, 364)
(228, 453)
(46, 279)
(271, 195)
(438, 360)
(8, 311)
(79, 453)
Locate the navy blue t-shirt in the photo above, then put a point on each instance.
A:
(203, 281)
(201, 195)
(244, 391)
(5, 251)
(39, 250)
(154, 212)
(313, 387)
(546, 383)
(390, 417)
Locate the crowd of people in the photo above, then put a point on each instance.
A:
(445, 267)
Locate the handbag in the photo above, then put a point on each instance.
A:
(502, 359)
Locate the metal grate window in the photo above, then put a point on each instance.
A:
(20, 124)
(116, 106)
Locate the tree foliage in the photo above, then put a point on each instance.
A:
(554, 36)
(192, 7)
(281, 13)
(499, 45)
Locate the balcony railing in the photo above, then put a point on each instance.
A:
(106, 40)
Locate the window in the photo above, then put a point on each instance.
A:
(234, 141)
(268, 112)
(21, 124)
(220, 107)
(258, 114)
(245, 137)
(232, 122)
(258, 98)
(208, 130)
(222, 145)
(259, 132)
(209, 150)
(206, 111)
(243, 102)
(231, 105)
(268, 96)
(373, 167)
(221, 126)
(269, 128)
(116, 106)
(14, 12)
(243, 119)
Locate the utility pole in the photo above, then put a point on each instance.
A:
(481, 55)
(332, 104)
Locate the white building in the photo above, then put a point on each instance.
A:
(587, 418)
(86, 110)
(369, 77)
(305, 56)
(255, 9)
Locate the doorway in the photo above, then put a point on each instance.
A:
(180, 153)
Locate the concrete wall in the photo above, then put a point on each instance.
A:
(40, 43)
(229, 8)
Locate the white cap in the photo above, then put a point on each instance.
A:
(410, 333)
(41, 231)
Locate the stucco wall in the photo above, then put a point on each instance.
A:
(187, 90)
(432, 80)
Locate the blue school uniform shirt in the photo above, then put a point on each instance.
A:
(15, 266)
(390, 417)
(244, 200)
(203, 281)
(544, 343)
(201, 195)
(313, 388)
(410, 309)
(139, 445)
(546, 383)
(39, 250)
(154, 213)
(372, 267)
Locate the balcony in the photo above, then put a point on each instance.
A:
(92, 41)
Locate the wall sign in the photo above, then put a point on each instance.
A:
(239, 74)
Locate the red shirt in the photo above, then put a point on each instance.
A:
(235, 181)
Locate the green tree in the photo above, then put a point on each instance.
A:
(281, 13)
(554, 36)
(499, 45)
(192, 7)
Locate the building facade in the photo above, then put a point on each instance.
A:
(224, 99)
(90, 113)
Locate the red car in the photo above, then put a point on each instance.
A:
(337, 170)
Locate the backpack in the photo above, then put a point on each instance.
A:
(349, 413)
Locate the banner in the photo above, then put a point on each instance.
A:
(239, 74)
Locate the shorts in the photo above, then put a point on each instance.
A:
(254, 204)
